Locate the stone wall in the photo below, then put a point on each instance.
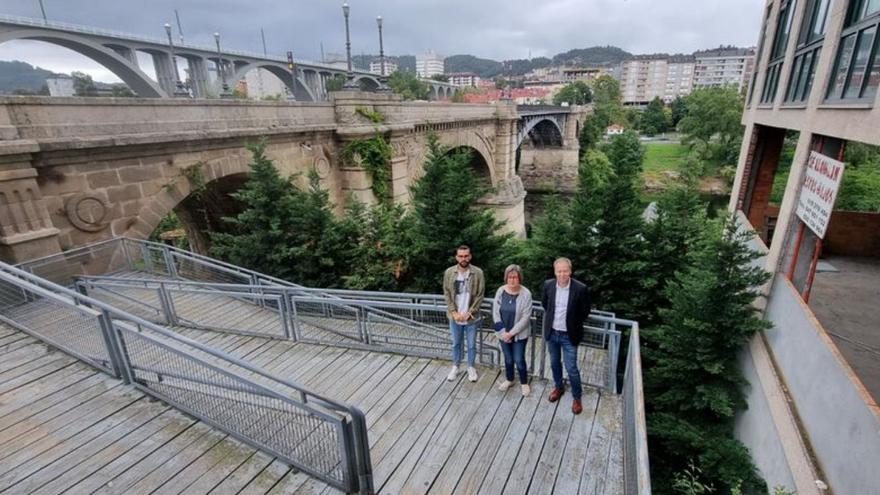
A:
(79, 170)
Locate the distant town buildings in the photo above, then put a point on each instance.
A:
(643, 78)
(60, 86)
(429, 64)
(376, 67)
(521, 96)
(724, 67)
(679, 77)
(464, 79)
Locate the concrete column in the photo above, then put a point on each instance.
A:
(164, 72)
(26, 230)
(198, 73)
(126, 53)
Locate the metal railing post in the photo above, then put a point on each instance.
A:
(113, 349)
(361, 315)
(169, 262)
(167, 305)
(362, 451)
(296, 330)
(148, 260)
(614, 350)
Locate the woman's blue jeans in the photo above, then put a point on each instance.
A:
(515, 353)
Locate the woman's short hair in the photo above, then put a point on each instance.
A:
(513, 269)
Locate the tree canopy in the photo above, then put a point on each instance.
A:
(576, 93)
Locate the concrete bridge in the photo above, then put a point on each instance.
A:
(118, 52)
(75, 171)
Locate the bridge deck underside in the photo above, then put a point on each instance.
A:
(65, 427)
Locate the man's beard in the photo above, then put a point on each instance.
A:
(464, 264)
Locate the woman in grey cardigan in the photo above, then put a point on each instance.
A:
(511, 313)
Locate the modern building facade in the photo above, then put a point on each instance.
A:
(643, 78)
(679, 77)
(429, 64)
(376, 67)
(724, 67)
(464, 79)
(813, 401)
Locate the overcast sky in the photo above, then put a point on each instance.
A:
(496, 29)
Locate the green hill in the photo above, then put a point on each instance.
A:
(21, 76)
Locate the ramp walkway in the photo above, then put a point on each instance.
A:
(394, 425)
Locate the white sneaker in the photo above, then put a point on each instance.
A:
(505, 385)
(472, 374)
(526, 390)
(453, 374)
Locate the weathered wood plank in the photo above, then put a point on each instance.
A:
(242, 475)
(572, 464)
(596, 464)
(37, 471)
(490, 443)
(216, 463)
(163, 426)
(267, 478)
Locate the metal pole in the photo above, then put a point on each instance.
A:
(179, 26)
(383, 86)
(178, 86)
(349, 75)
(292, 68)
(43, 10)
(220, 71)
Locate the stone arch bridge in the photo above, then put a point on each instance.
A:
(118, 52)
(75, 171)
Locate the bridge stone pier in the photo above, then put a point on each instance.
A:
(548, 144)
(75, 171)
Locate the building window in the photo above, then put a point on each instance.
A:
(760, 51)
(857, 68)
(809, 47)
(777, 52)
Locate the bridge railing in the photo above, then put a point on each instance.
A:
(636, 469)
(320, 436)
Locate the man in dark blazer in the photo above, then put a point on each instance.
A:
(566, 304)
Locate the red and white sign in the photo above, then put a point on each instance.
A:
(821, 182)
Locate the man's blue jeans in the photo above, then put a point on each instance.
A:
(558, 343)
(458, 332)
(515, 353)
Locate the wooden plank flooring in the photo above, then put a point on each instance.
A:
(68, 428)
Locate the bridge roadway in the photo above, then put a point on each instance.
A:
(68, 428)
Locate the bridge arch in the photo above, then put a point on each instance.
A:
(123, 68)
(541, 132)
(367, 83)
(299, 88)
(176, 193)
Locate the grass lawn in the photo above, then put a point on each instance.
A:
(663, 156)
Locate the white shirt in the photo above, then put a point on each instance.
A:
(462, 291)
(561, 308)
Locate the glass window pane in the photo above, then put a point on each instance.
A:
(783, 29)
(873, 73)
(790, 93)
(811, 74)
(844, 56)
(818, 29)
(871, 7)
(862, 53)
(802, 80)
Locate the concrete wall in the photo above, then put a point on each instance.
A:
(840, 418)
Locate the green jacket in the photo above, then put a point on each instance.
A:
(476, 287)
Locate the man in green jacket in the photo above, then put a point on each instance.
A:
(463, 288)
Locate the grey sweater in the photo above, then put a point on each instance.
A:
(523, 312)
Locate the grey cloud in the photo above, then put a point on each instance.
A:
(498, 29)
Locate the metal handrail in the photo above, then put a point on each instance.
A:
(358, 447)
(610, 337)
(637, 472)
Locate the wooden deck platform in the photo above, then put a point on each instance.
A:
(68, 428)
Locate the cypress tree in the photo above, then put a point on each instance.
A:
(445, 216)
(694, 382)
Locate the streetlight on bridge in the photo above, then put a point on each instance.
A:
(220, 71)
(383, 81)
(349, 76)
(179, 90)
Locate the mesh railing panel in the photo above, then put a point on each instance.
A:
(258, 315)
(144, 302)
(73, 329)
(325, 321)
(98, 259)
(256, 415)
(193, 268)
